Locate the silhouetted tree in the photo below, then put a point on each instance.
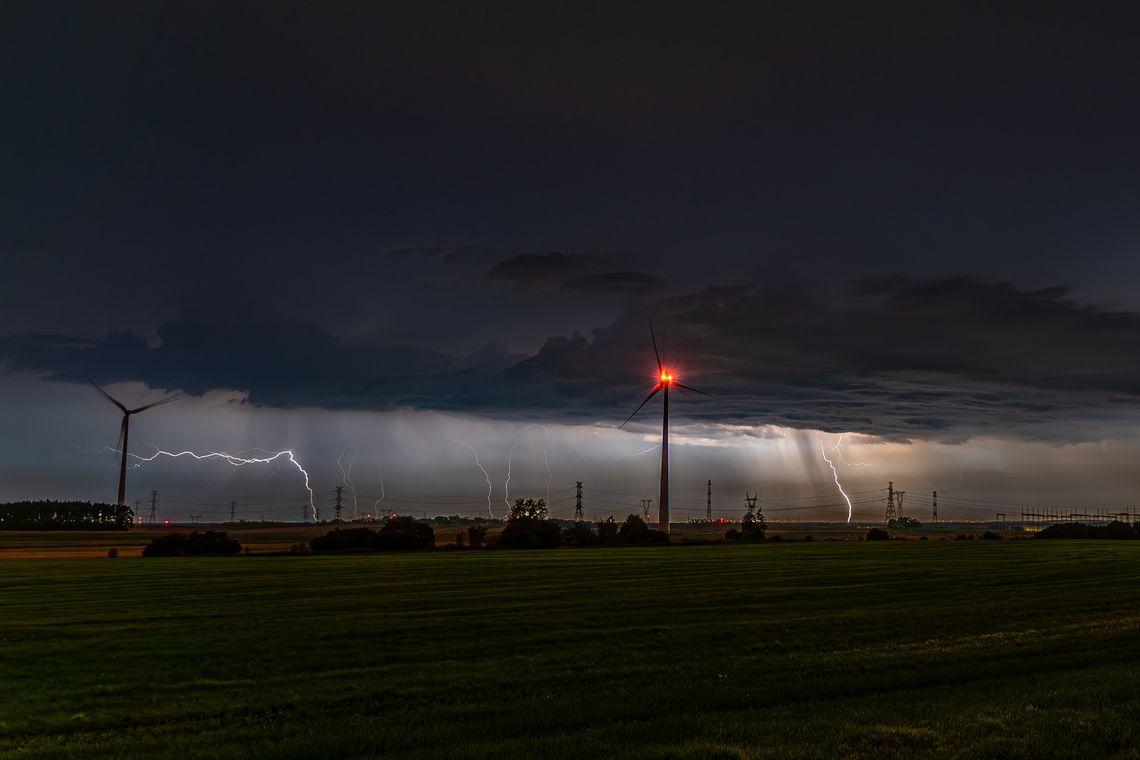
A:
(528, 527)
(607, 531)
(64, 515)
(405, 532)
(402, 532)
(635, 531)
(579, 534)
(476, 535)
(878, 534)
(1115, 530)
(533, 508)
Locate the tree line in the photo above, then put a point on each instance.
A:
(64, 515)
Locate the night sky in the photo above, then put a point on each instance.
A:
(374, 230)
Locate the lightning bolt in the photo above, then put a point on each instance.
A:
(549, 474)
(383, 493)
(347, 479)
(236, 461)
(835, 473)
(485, 475)
(652, 448)
(511, 454)
(842, 459)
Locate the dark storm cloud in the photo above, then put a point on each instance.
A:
(448, 254)
(539, 269)
(943, 360)
(612, 284)
(573, 276)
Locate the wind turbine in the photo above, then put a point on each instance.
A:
(666, 379)
(123, 434)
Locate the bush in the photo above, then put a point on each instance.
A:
(405, 532)
(342, 539)
(607, 531)
(112, 553)
(635, 531)
(732, 535)
(774, 538)
(1115, 530)
(579, 534)
(530, 533)
(210, 543)
(989, 535)
(398, 533)
(476, 535)
(878, 534)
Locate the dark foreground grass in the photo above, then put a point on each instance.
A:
(970, 649)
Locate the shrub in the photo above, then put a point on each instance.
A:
(398, 533)
(732, 535)
(579, 534)
(530, 533)
(1114, 530)
(193, 545)
(635, 531)
(607, 531)
(878, 534)
(405, 532)
(476, 535)
(963, 537)
(989, 535)
(810, 537)
(774, 538)
(112, 553)
(342, 539)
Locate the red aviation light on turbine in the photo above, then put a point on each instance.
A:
(667, 377)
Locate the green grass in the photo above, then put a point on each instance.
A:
(897, 649)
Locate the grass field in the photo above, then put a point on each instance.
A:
(826, 649)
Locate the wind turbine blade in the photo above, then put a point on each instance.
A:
(175, 397)
(643, 403)
(654, 339)
(694, 390)
(108, 396)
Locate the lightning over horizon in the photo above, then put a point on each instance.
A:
(835, 474)
(482, 469)
(234, 460)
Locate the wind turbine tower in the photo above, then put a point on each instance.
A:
(666, 379)
(124, 433)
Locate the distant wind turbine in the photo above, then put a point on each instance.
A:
(666, 379)
(124, 433)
